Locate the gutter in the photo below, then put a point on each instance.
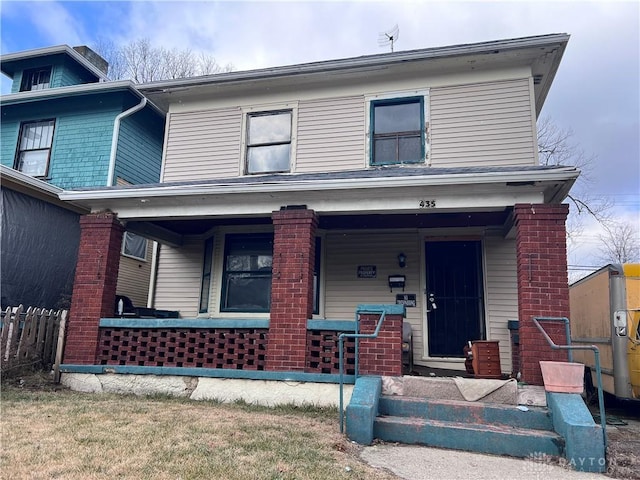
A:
(564, 174)
(116, 133)
(76, 90)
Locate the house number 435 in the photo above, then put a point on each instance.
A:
(427, 204)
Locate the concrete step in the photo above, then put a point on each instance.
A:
(536, 418)
(473, 437)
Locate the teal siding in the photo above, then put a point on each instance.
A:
(81, 139)
(69, 73)
(17, 79)
(139, 153)
(81, 149)
(9, 132)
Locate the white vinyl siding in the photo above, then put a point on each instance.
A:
(203, 145)
(501, 293)
(179, 277)
(344, 252)
(331, 135)
(483, 124)
(133, 278)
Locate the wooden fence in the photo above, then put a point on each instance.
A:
(32, 337)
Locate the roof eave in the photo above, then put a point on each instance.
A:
(377, 60)
(15, 180)
(76, 90)
(562, 175)
(57, 49)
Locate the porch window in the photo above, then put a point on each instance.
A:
(316, 278)
(34, 148)
(269, 142)
(35, 79)
(246, 278)
(134, 246)
(205, 289)
(397, 131)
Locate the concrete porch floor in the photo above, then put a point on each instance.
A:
(526, 395)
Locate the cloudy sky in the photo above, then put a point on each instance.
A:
(595, 92)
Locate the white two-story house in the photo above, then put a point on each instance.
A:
(291, 195)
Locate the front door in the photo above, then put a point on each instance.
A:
(454, 296)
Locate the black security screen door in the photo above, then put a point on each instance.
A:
(454, 280)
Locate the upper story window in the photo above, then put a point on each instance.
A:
(34, 148)
(269, 142)
(397, 131)
(35, 79)
(134, 246)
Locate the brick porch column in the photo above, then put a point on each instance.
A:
(94, 288)
(543, 289)
(291, 287)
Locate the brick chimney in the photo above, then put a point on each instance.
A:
(93, 57)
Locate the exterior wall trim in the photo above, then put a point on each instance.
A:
(337, 325)
(184, 323)
(209, 372)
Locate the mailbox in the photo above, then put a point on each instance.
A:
(397, 281)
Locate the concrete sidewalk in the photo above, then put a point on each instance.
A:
(412, 462)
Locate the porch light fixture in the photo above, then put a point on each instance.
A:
(402, 260)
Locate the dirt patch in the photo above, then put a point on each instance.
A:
(623, 449)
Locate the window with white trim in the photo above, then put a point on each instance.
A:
(246, 276)
(34, 148)
(397, 128)
(35, 79)
(268, 142)
(134, 246)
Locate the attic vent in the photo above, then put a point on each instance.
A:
(537, 79)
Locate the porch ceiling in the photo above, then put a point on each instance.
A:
(200, 226)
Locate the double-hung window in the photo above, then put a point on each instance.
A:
(34, 148)
(268, 142)
(397, 131)
(134, 246)
(246, 277)
(35, 79)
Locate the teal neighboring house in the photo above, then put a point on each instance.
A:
(66, 126)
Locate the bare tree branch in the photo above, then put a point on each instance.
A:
(141, 62)
(620, 243)
(557, 147)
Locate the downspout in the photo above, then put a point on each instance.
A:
(116, 133)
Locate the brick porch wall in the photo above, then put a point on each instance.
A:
(382, 355)
(291, 288)
(94, 287)
(543, 289)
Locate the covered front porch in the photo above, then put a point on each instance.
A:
(267, 272)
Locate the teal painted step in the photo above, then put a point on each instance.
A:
(473, 437)
(466, 412)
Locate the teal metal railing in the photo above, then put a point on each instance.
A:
(357, 336)
(569, 348)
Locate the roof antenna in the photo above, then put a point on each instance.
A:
(389, 37)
